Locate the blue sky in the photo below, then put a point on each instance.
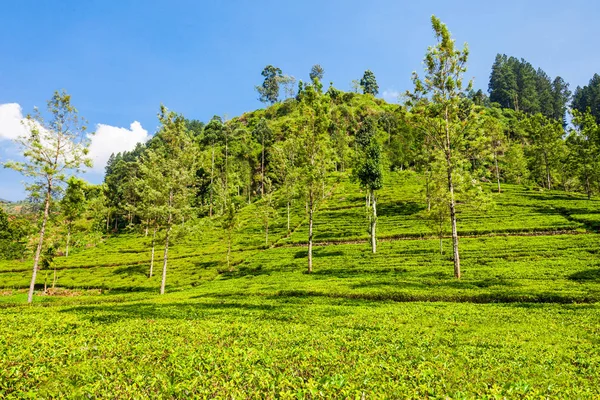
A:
(120, 60)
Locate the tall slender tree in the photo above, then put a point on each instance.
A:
(169, 166)
(51, 148)
(314, 156)
(264, 135)
(439, 111)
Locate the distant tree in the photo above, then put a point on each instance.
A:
(515, 164)
(269, 90)
(561, 96)
(588, 97)
(266, 212)
(316, 72)
(369, 83)
(264, 135)
(584, 145)
(314, 154)
(230, 224)
(51, 149)
(72, 205)
(169, 166)
(439, 111)
(212, 135)
(289, 85)
(12, 245)
(545, 137)
(516, 84)
(369, 174)
(494, 133)
(479, 98)
(286, 158)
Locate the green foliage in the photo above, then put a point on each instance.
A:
(588, 97)
(269, 91)
(369, 83)
(516, 84)
(316, 73)
(12, 234)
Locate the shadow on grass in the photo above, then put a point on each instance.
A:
(399, 208)
(404, 297)
(184, 311)
(243, 271)
(132, 270)
(207, 264)
(587, 275)
(319, 253)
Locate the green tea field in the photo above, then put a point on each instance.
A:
(522, 322)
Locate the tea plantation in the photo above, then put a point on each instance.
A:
(522, 322)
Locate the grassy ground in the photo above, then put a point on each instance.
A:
(521, 323)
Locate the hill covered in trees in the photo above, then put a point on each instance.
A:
(329, 245)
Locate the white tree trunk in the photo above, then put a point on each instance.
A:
(40, 245)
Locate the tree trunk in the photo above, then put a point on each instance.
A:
(228, 247)
(267, 232)
(226, 165)
(310, 234)
(547, 171)
(68, 240)
(497, 171)
(152, 257)
(288, 217)
(427, 189)
(374, 223)
(164, 271)
(587, 185)
(452, 203)
(212, 169)
(38, 251)
(262, 168)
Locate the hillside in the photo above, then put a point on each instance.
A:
(361, 323)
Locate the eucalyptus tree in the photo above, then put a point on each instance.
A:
(211, 136)
(51, 148)
(438, 109)
(264, 135)
(315, 155)
(169, 166)
(269, 90)
(285, 160)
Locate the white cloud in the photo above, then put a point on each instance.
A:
(10, 121)
(111, 139)
(390, 95)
